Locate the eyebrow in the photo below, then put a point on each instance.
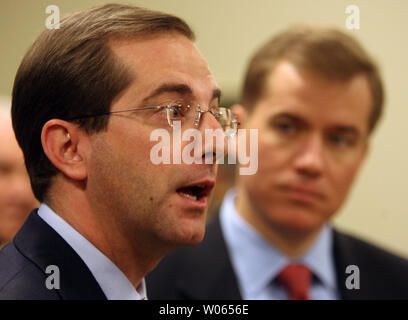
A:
(339, 128)
(347, 130)
(179, 88)
(290, 116)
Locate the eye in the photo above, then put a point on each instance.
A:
(285, 127)
(178, 111)
(175, 111)
(339, 140)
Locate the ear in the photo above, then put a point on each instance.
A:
(241, 114)
(63, 142)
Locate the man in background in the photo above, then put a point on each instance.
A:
(16, 196)
(86, 100)
(316, 96)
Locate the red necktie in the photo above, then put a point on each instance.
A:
(296, 279)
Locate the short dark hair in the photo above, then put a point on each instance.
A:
(326, 51)
(71, 71)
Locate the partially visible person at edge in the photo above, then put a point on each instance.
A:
(16, 196)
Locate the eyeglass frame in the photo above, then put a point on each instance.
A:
(168, 108)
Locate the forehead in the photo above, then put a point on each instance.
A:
(165, 58)
(318, 100)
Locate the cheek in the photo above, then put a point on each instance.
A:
(273, 156)
(132, 150)
(341, 180)
(3, 196)
(270, 166)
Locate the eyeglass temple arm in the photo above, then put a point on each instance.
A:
(118, 111)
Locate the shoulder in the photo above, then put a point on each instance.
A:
(360, 250)
(382, 274)
(20, 278)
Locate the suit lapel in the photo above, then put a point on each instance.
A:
(41, 244)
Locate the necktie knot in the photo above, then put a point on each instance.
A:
(296, 279)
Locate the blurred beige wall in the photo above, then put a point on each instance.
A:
(229, 31)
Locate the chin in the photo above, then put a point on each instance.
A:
(300, 228)
(191, 238)
(297, 221)
(188, 235)
(194, 238)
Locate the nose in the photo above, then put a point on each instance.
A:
(214, 139)
(309, 160)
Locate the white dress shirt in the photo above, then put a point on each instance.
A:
(257, 262)
(113, 282)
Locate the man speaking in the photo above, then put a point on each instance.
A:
(86, 98)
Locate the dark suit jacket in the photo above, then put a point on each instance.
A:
(206, 272)
(23, 263)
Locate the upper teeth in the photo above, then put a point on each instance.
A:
(190, 196)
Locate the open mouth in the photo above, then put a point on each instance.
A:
(196, 192)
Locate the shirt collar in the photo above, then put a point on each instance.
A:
(113, 282)
(319, 258)
(248, 248)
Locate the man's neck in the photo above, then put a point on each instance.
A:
(134, 261)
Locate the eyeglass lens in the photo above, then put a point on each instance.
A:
(191, 116)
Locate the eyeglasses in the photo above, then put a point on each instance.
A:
(176, 111)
